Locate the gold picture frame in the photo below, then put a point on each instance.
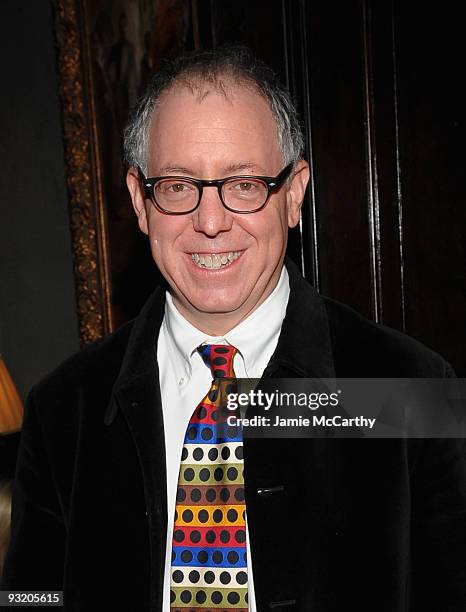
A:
(87, 220)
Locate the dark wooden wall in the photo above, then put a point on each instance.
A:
(378, 86)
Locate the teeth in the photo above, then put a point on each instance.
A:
(216, 260)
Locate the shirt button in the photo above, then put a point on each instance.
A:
(181, 381)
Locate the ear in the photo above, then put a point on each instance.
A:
(137, 197)
(296, 190)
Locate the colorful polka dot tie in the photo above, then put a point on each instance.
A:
(209, 569)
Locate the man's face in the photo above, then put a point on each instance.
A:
(211, 137)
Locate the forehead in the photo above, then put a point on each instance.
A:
(209, 124)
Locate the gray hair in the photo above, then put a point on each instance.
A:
(207, 68)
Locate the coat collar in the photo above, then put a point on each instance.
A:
(304, 345)
(140, 358)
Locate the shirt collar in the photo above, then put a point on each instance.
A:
(255, 337)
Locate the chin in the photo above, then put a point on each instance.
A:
(216, 306)
(211, 301)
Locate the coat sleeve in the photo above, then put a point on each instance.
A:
(438, 539)
(35, 556)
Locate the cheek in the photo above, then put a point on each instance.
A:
(164, 232)
(269, 228)
(163, 238)
(155, 237)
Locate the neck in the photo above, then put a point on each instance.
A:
(213, 323)
(218, 323)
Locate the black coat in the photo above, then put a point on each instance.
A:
(367, 525)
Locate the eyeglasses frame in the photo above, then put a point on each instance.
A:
(273, 183)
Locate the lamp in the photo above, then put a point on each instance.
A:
(11, 407)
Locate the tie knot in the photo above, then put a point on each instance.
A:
(219, 358)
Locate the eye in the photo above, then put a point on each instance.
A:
(245, 186)
(177, 187)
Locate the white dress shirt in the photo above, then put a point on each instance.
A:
(185, 380)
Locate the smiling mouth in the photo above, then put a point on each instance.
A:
(215, 261)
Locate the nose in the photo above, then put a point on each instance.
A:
(211, 217)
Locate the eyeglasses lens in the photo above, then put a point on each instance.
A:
(244, 194)
(176, 195)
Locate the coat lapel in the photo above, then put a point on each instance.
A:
(136, 394)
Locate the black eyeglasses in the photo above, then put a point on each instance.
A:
(180, 195)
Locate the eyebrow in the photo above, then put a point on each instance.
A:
(230, 169)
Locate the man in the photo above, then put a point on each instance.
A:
(216, 177)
